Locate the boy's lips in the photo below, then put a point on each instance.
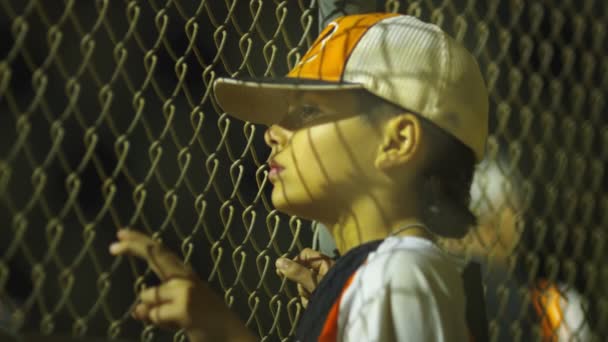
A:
(275, 169)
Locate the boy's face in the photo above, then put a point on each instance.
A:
(323, 155)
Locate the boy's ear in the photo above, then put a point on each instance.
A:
(400, 141)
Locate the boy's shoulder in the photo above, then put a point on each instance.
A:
(410, 262)
(404, 275)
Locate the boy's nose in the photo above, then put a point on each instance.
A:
(276, 136)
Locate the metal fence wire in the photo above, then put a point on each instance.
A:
(108, 120)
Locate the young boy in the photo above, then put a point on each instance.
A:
(375, 133)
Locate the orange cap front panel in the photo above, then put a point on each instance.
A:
(327, 57)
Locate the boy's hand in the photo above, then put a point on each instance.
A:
(307, 269)
(182, 300)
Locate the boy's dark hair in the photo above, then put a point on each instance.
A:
(447, 177)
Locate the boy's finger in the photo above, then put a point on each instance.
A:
(166, 315)
(317, 262)
(133, 243)
(157, 294)
(297, 273)
(304, 301)
(140, 312)
(304, 295)
(303, 292)
(314, 259)
(164, 263)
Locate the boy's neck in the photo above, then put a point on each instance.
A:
(366, 221)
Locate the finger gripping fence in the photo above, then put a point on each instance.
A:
(108, 120)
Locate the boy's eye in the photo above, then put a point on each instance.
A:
(309, 111)
(305, 114)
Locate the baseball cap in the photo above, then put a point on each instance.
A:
(398, 58)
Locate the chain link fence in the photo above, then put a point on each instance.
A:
(107, 120)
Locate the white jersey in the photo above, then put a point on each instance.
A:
(407, 290)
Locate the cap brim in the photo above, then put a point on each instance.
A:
(267, 101)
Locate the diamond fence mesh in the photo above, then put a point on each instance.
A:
(108, 120)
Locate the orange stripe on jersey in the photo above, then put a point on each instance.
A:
(546, 299)
(330, 329)
(326, 59)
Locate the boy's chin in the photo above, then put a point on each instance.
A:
(293, 211)
(302, 210)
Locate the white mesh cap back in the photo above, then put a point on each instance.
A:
(419, 67)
